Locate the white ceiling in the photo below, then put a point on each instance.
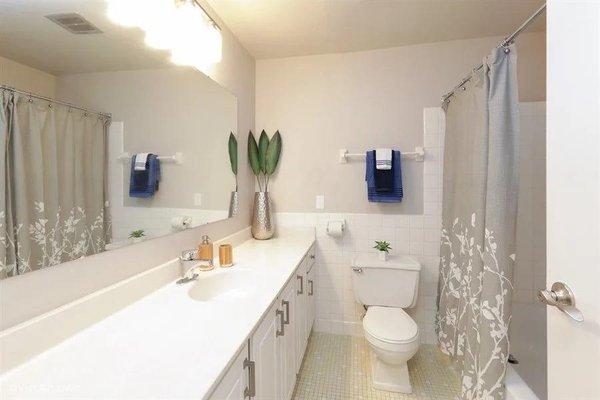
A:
(284, 28)
(26, 36)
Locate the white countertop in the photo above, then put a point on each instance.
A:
(165, 345)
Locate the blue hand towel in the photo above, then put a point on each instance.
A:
(385, 194)
(145, 183)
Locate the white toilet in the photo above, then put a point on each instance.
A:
(386, 288)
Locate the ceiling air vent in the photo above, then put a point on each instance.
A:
(74, 23)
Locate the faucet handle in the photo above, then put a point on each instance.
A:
(189, 255)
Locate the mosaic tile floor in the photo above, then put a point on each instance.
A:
(338, 367)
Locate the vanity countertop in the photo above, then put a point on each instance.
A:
(166, 345)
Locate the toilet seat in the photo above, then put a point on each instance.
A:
(390, 325)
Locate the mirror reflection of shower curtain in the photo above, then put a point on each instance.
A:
(479, 226)
(53, 200)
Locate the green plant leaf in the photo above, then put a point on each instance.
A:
(137, 233)
(263, 144)
(382, 245)
(233, 153)
(273, 152)
(253, 154)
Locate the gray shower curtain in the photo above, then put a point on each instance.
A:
(478, 225)
(53, 172)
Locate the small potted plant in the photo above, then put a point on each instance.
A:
(384, 249)
(137, 235)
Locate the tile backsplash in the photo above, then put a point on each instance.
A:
(415, 235)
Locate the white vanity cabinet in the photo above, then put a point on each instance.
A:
(267, 370)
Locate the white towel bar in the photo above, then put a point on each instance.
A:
(177, 158)
(417, 155)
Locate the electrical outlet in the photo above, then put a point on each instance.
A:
(320, 202)
(198, 199)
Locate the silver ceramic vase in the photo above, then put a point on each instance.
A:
(262, 220)
(234, 204)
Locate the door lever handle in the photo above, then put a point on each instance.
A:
(561, 297)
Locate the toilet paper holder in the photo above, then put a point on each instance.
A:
(336, 227)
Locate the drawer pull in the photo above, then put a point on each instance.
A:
(286, 304)
(250, 390)
(282, 331)
(301, 291)
(310, 288)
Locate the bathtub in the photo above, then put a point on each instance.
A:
(516, 388)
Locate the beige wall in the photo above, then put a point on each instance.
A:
(28, 295)
(26, 78)
(187, 112)
(364, 100)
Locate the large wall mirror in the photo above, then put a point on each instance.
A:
(104, 140)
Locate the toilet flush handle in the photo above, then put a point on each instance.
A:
(358, 270)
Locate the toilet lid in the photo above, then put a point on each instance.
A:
(390, 324)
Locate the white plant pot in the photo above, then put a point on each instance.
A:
(136, 239)
(383, 255)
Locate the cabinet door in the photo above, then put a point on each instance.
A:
(300, 313)
(263, 351)
(287, 342)
(310, 293)
(235, 382)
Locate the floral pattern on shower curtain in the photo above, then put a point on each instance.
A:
(53, 205)
(478, 226)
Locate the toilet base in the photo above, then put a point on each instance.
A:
(392, 378)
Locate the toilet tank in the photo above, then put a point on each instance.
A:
(391, 283)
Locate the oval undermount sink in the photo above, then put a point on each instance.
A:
(230, 284)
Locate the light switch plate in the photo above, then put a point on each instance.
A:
(197, 199)
(320, 202)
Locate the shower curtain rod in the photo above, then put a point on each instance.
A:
(508, 40)
(64, 103)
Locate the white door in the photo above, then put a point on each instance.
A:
(263, 351)
(573, 183)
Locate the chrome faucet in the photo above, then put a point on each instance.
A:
(190, 274)
(189, 255)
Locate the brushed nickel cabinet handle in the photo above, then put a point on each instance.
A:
(282, 331)
(310, 288)
(250, 390)
(301, 291)
(286, 304)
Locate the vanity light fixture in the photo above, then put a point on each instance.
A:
(181, 26)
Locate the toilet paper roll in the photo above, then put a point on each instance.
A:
(181, 222)
(335, 228)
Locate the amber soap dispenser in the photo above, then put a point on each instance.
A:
(205, 249)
